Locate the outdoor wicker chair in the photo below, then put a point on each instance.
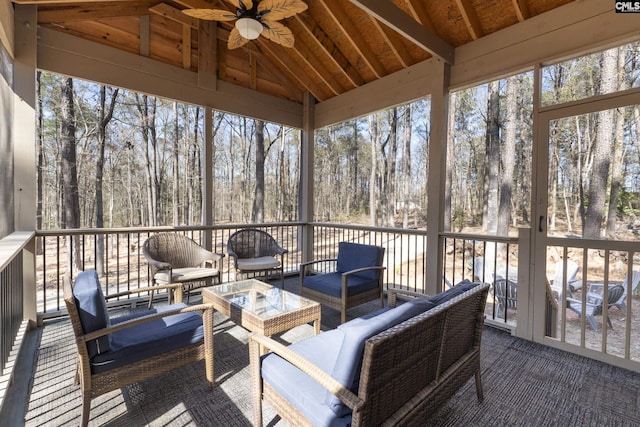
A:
(114, 352)
(357, 278)
(255, 251)
(175, 258)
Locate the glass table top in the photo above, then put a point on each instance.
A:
(261, 299)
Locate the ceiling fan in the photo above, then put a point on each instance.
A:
(255, 19)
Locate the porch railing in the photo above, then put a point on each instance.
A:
(12, 315)
(122, 264)
(465, 256)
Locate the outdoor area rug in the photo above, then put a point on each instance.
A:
(525, 384)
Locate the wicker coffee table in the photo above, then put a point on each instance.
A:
(262, 308)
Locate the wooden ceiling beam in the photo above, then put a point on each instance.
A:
(285, 64)
(61, 2)
(174, 14)
(522, 10)
(197, 4)
(87, 12)
(332, 52)
(186, 47)
(470, 19)
(318, 67)
(420, 14)
(393, 40)
(352, 33)
(395, 18)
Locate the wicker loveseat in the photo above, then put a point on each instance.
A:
(393, 367)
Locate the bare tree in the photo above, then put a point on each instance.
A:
(374, 136)
(617, 156)
(105, 116)
(450, 162)
(492, 158)
(597, 192)
(508, 157)
(176, 166)
(69, 171)
(257, 213)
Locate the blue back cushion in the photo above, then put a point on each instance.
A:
(92, 308)
(454, 291)
(352, 256)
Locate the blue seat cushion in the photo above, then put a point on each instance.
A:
(150, 338)
(331, 284)
(303, 392)
(452, 292)
(352, 256)
(92, 308)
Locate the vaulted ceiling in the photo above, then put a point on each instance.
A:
(339, 45)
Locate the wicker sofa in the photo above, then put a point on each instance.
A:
(392, 367)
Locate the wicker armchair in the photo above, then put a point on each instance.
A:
(116, 352)
(255, 251)
(357, 279)
(174, 258)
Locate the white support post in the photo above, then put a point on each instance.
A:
(437, 173)
(306, 177)
(207, 178)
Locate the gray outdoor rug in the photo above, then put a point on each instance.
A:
(525, 384)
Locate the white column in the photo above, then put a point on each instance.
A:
(305, 198)
(24, 142)
(436, 184)
(207, 177)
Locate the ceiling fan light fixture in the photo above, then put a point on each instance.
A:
(249, 28)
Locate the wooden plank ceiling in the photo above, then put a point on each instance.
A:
(339, 45)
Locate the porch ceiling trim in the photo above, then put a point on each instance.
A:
(403, 86)
(560, 33)
(72, 56)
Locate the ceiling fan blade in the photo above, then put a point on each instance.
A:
(274, 10)
(235, 39)
(278, 33)
(242, 4)
(210, 14)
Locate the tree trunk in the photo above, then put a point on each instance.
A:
(70, 172)
(391, 169)
(617, 156)
(407, 167)
(105, 116)
(508, 158)
(257, 214)
(176, 166)
(450, 161)
(597, 193)
(373, 130)
(492, 157)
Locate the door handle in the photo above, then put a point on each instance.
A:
(540, 223)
